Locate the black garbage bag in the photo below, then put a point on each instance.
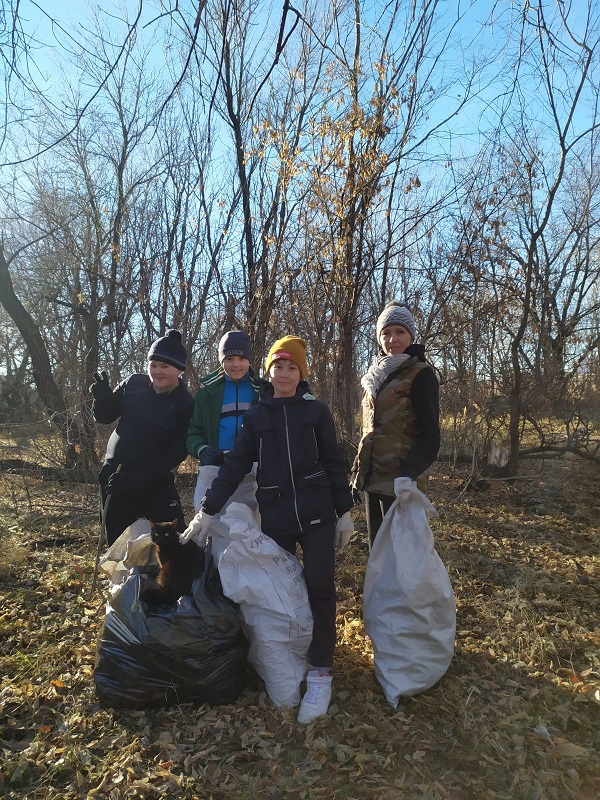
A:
(194, 650)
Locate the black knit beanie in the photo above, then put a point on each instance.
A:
(169, 349)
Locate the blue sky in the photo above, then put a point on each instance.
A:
(474, 41)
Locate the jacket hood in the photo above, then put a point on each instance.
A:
(416, 351)
(266, 391)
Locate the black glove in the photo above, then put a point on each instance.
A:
(105, 473)
(122, 483)
(100, 388)
(211, 456)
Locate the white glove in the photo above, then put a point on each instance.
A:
(344, 529)
(404, 489)
(197, 529)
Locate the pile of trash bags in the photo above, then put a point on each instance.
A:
(147, 656)
(250, 606)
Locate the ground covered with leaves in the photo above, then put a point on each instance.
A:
(516, 716)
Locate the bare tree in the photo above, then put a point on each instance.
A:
(368, 137)
(264, 90)
(70, 225)
(559, 53)
(47, 387)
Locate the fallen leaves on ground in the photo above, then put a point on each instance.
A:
(516, 716)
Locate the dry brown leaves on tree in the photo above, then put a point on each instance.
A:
(517, 715)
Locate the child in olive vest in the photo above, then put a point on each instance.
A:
(400, 430)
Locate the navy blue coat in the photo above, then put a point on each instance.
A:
(149, 440)
(302, 471)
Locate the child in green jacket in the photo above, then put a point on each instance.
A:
(219, 406)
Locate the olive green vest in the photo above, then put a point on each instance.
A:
(389, 429)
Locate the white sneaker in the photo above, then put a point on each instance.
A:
(316, 699)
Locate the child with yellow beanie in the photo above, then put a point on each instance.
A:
(303, 494)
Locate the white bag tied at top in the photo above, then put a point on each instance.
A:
(269, 586)
(408, 603)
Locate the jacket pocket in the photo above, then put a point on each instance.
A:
(315, 499)
(318, 478)
(267, 494)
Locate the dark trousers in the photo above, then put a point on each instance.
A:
(376, 506)
(318, 556)
(159, 502)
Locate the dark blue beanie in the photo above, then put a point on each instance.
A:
(169, 349)
(235, 343)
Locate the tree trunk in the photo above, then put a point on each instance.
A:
(347, 397)
(49, 392)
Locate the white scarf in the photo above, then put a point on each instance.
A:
(380, 369)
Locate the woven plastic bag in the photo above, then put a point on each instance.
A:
(269, 586)
(194, 650)
(245, 492)
(408, 603)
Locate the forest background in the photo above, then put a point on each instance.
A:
(288, 168)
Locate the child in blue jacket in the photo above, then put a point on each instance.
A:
(219, 406)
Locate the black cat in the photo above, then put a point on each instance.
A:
(179, 565)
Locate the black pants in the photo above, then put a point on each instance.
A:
(159, 502)
(318, 556)
(376, 505)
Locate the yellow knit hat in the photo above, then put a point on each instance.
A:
(291, 347)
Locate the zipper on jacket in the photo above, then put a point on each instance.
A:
(315, 441)
(319, 472)
(287, 437)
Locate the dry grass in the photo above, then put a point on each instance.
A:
(515, 717)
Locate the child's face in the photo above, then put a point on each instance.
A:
(236, 368)
(164, 377)
(394, 339)
(285, 377)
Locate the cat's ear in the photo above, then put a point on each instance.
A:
(152, 525)
(174, 523)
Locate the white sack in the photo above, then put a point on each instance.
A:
(408, 603)
(245, 493)
(269, 586)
